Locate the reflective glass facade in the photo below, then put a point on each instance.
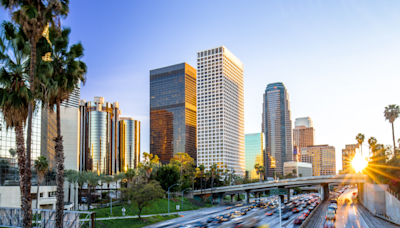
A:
(254, 151)
(277, 125)
(173, 111)
(129, 143)
(43, 133)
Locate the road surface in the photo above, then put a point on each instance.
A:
(347, 215)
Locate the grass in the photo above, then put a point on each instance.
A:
(132, 223)
(156, 207)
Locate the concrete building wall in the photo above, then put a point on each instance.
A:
(10, 197)
(392, 206)
(70, 133)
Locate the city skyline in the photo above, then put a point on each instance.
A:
(280, 50)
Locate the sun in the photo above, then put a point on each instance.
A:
(359, 163)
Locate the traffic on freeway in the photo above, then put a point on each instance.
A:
(262, 212)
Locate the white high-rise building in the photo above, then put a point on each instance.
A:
(220, 109)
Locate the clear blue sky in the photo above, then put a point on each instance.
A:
(338, 59)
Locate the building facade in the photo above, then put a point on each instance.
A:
(220, 115)
(254, 151)
(173, 111)
(277, 125)
(101, 138)
(347, 157)
(322, 158)
(298, 169)
(129, 143)
(303, 136)
(304, 121)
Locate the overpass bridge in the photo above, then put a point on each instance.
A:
(322, 181)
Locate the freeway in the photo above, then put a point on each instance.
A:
(348, 215)
(261, 213)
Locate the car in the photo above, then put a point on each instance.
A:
(354, 193)
(269, 213)
(285, 216)
(229, 207)
(243, 212)
(225, 218)
(334, 200)
(299, 220)
(300, 208)
(310, 208)
(303, 205)
(295, 210)
(330, 215)
(306, 212)
(200, 225)
(329, 224)
(211, 219)
(331, 207)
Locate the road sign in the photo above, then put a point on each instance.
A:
(123, 211)
(178, 207)
(278, 191)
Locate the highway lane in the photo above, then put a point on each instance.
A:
(347, 215)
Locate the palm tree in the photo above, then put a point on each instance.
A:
(372, 143)
(294, 172)
(14, 99)
(109, 180)
(102, 179)
(148, 164)
(13, 152)
(64, 74)
(33, 16)
(391, 113)
(118, 177)
(201, 168)
(360, 139)
(70, 176)
(41, 165)
(80, 180)
(129, 175)
(256, 166)
(92, 180)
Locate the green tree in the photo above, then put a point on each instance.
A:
(360, 139)
(71, 176)
(15, 97)
(261, 170)
(297, 190)
(141, 194)
(102, 180)
(256, 166)
(294, 172)
(129, 175)
(118, 177)
(92, 180)
(184, 162)
(391, 113)
(167, 176)
(33, 16)
(148, 164)
(201, 169)
(41, 165)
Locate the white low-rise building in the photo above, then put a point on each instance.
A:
(303, 168)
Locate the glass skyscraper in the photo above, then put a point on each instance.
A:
(173, 111)
(254, 151)
(129, 143)
(277, 126)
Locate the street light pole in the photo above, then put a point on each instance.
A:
(168, 195)
(182, 195)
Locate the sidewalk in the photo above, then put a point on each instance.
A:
(128, 217)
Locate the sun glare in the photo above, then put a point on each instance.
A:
(359, 163)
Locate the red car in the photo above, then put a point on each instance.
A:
(354, 193)
(306, 213)
(300, 219)
(269, 213)
(295, 210)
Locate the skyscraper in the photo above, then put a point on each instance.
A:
(322, 158)
(173, 111)
(129, 143)
(220, 115)
(277, 125)
(347, 157)
(303, 133)
(254, 151)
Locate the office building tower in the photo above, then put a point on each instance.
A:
(347, 157)
(277, 124)
(303, 133)
(220, 115)
(303, 121)
(322, 158)
(99, 136)
(298, 169)
(129, 143)
(70, 130)
(254, 153)
(173, 111)
(73, 99)
(44, 130)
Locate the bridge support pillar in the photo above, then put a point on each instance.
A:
(247, 197)
(288, 195)
(238, 199)
(325, 191)
(232, 197)
(220, 198)
(282, 199)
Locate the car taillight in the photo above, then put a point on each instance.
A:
(325, 217)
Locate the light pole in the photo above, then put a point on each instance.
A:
(182, 195)
(168, 195)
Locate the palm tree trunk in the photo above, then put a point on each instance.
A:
(59, 148)
(22, 175)
(89, 197)
(394, 142)
(101, 195)
(201, 181)
(37, 196)
(69, 193)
